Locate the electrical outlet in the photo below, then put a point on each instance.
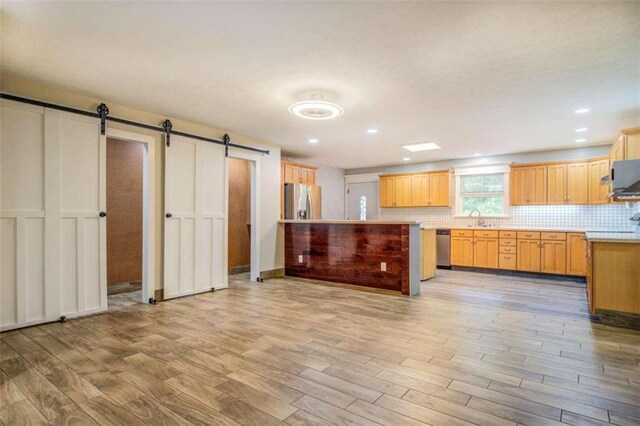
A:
(383, 266)
(300, 258)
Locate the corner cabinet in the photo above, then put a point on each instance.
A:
(428, 189)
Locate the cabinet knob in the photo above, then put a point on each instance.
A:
(169, 215)
(102, 214)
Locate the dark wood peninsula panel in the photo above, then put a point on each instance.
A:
(350, 253)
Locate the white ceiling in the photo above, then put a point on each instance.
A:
(494, 78)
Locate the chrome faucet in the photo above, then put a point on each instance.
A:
(636, 218)
(481, 221)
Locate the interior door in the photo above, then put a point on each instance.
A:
(368, 190)
(195, 249)
(52, 238)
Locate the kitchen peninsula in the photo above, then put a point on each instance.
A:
(379, 254)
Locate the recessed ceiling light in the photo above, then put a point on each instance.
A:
(477, 154)
(582, 110)
(372, 130)
(406, 159)
(313, 140)
(421, 147)
(582, 129)
(581, 140)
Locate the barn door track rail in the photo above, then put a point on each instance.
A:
(102, 112)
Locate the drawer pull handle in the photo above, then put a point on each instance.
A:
(507, 257)
(553, 236)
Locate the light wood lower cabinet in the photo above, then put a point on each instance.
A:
(576, 254)
(485, 252)
(529, 255)
(547, 252)
(462, 251)
(553, 257)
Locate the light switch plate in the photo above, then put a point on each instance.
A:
(300, 258)
(383, 266)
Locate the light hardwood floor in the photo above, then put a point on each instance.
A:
(472, 349)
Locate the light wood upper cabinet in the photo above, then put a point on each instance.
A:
(626, 145)
(298, 173)
(557, 184)
(387, 191)
(439, 189)
(578, 183)
(598, 194)
(576, 254)
(403, 191)
(421, 189)
(415, 190)
(528, 185)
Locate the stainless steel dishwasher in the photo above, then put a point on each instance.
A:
(443, 248)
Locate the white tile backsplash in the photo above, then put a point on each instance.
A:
(608, 216)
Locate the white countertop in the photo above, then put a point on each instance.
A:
(525, 228)
(613, 237)
(354, 222)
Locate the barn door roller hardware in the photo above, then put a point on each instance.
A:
(226, 140)
(103, 114)
(166, 125)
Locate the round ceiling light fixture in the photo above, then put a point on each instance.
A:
(316, 109)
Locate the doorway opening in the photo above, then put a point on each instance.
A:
(129, 225)
(239, 217)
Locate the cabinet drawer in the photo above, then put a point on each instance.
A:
(462, 233)
(508, 261)
(558, 236)
(485, 234)
(508, 242)
(508, 249)
(528, 235)
(507, 234)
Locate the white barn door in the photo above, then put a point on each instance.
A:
(195, 249)
(52, 241)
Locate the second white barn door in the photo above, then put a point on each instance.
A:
(195, 223)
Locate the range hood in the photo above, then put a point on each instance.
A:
(625, 178)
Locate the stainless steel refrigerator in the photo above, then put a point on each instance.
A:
(302, 201)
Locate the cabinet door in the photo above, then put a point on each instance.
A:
(529, 255)
(311, 177)
(632, 147)
(537, 185)
(420, 195)
(439, 189)
(598, 194)
(485, 254)
(462, 251)
(554, 257)
(576, 255)
(577, 183)
(618, 149)
(557, 184)
(519, 195)
(387, 192)
(403, 191)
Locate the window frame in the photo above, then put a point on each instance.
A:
(480, 171)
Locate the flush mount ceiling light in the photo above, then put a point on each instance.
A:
(406, 159)
(313, 140)
(581, 129)
(416, 147)
(582, 110)
(316, 109)
(477, 154)
(372, 130)
(581, 140)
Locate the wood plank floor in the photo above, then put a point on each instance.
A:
(472, 349)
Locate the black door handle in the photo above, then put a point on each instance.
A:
(168, 215)
(103, 214)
